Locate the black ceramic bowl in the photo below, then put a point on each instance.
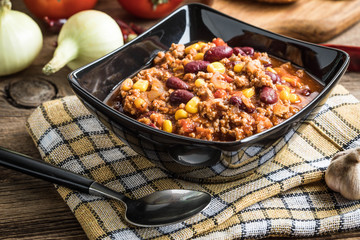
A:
(191, 23)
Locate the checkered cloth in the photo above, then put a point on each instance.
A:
(285, 195)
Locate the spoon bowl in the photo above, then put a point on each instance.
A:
(158, 208)
(164, 207)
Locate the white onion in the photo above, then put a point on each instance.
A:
(85, 37)
(20, 39)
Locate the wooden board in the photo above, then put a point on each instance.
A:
(311, 20)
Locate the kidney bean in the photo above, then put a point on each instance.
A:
(237, 101)
(217, 53)
(249, 51)
(274, 77)
(176, 83)
(305, 92)
(196, 66)
(180, 96)
(238, 51)
(268, 95)
(244, 51)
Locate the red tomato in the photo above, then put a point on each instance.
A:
(149, 8)
(58, 9)
(220, 93)
(219, 42)
(187, 125)
(228, 78)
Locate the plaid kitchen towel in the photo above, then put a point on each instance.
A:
(284, 195)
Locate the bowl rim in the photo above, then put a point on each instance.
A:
(73, 76)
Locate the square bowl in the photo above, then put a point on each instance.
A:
(179, 154)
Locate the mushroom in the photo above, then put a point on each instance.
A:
(343, 173)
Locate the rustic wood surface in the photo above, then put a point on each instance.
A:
(310, 20)
(31, 208)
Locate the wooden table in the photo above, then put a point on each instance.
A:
(31, 208)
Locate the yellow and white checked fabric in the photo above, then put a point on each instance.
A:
(285, 196)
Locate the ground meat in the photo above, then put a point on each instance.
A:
(241, 81)
(231, 98)
(212, 109)
(204, 93)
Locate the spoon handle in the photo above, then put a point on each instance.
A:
(43, 170)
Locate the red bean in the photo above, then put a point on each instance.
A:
(180, 96)
(305, 92)
(196, 66)
(176, 83)
(217, 53)
(274, 77)
(238, 51)
(268, 95)
(237, 101)
(249, 51)
(244, 51)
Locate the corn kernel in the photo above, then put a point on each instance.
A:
(167, 126)
(180, 114)
(216, 67)
(238, 67)
(249, 92)
(140, 103)
(186, 61)
(201, 44)
(192, 105)
(142, 85)
(127, 84)
(289, 79)
(199, 82)
(199, 56)
(285, 95)
(270, 69)
(178, 68)
(283, 87)
(195, 46)
(294, 98)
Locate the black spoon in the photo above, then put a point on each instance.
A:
(157, 209)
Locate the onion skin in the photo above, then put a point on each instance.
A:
(20, 40)
(85, 37)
